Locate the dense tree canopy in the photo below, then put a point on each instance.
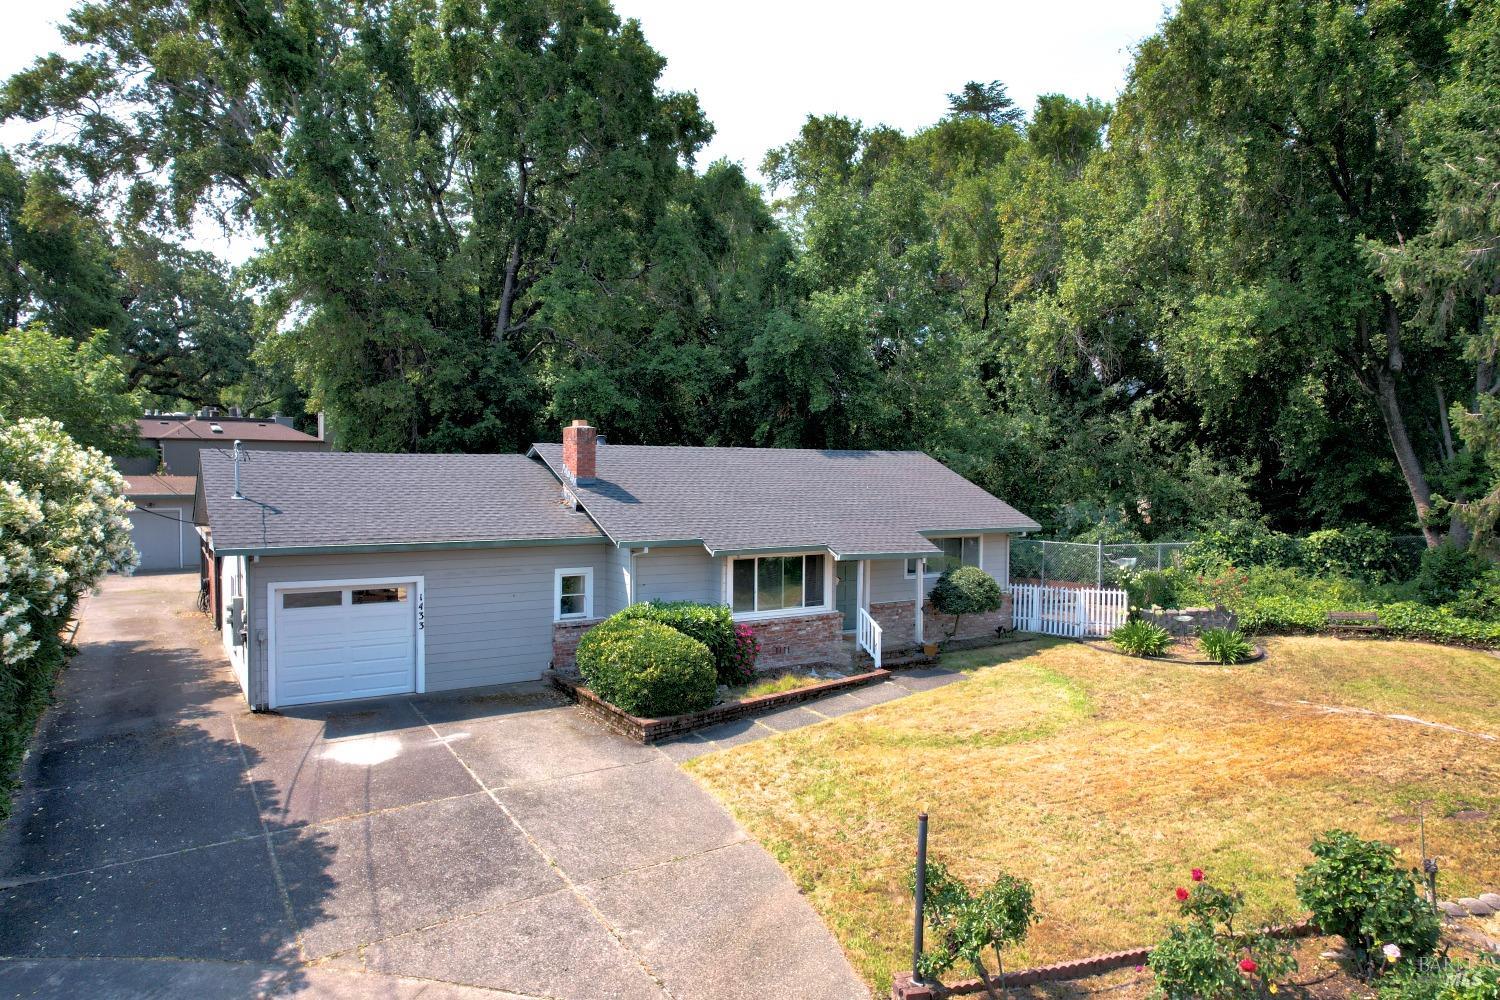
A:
(81, 386)
(1213, 297)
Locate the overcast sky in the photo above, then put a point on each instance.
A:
(760, 68)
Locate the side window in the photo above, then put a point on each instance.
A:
(573, 594)
(957, 551)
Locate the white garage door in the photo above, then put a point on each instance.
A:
(340, 642)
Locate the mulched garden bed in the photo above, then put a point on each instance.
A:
(1323, 973)
(1184, 651)
(654, 730)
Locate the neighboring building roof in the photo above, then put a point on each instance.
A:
(854, 503)
(174, 427)
(322, 501)
(160, 486)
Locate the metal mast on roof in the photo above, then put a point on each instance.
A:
(238, 456)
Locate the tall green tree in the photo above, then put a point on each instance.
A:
(82, 386)
(987, 101)
(457, 197)
(56, 261)
(1276, 138)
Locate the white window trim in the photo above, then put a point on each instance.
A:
(936, 573)
(760, 616)
(417, 583)
(587, 572)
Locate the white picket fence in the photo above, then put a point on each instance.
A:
(1074, 612)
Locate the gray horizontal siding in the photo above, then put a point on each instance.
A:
(488, 611)
(889, 581)
(684, 573)
(180, 456)
(614, 591)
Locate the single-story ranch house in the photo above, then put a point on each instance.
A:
(339, 576)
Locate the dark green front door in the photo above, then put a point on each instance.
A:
(846, 592)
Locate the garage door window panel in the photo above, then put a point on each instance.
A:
(298, 600)
(380, 595)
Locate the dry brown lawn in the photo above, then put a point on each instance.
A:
(1104, 779)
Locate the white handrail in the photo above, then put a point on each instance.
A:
(869, 636)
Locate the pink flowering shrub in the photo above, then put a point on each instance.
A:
(740, 664)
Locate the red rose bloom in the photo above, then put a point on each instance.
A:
(1197, 874)
(1248, 965)
(1182, 894)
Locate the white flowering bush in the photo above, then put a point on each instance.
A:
(63, 525)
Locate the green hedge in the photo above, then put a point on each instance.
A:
(1357, 551)
(25, 689)
(1403, 619)
(646, 668)
(710, 624)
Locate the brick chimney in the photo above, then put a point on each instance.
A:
(579, 440)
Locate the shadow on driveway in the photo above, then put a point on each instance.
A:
(137, 832)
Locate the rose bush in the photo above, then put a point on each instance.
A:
(63, 525)
(1207, 958)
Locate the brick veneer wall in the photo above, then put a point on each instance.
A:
(784, 642)
(898, 623)
(565, 636)
(799, 641)
(936, 626)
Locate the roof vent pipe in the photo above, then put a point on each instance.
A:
(579, 446)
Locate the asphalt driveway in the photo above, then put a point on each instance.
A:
(168, 842)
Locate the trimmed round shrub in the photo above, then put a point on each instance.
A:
(965, 590)
(1355, 889)
(711, 624)
(1140, 638)
(1225, 645)
(646, 668)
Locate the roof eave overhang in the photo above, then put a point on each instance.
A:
(660, 543)
(761, 550)
(909, 554)
(467, 543)
(1003, 529)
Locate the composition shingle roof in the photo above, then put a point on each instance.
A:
(738, 499)
(316, 499)
(160, 486)
(230, 429)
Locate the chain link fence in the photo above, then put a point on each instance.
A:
(1082, 564)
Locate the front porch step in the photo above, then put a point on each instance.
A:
(895, 659)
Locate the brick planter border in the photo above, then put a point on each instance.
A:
(902, 988)
(653, 730)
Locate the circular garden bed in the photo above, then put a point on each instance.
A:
(1183, 650)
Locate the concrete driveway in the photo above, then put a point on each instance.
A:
(168, 842)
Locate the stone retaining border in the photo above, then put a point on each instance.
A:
(904, 989)
(653, 730)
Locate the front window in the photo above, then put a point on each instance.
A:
(573, 595)
(959, 550)
(777, 583)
